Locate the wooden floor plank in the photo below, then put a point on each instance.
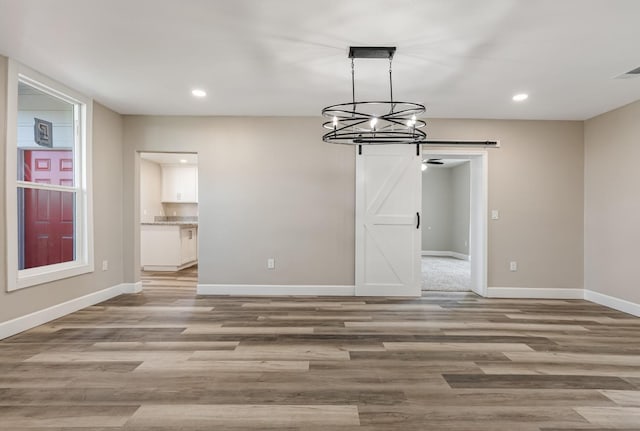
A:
(245, 415)
(611, 416)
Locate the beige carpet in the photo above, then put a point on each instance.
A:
(445, 273)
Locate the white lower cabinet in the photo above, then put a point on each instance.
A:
(168, 247)
(188, 245)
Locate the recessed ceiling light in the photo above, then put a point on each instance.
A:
(183, 161)
(198, 93)
(520, 97)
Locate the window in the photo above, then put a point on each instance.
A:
(48, 166)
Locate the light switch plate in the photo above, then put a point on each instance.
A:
(271, 263)
(495, 215)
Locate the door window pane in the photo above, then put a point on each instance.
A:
(46, 227)
(45, 137)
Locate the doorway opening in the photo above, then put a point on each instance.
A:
(169, 220)
(454, 231)
(446, 199)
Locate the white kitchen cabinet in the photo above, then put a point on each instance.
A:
(188, 245)
(168, 247)
(179, 183)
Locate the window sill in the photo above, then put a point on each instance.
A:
(47, 274)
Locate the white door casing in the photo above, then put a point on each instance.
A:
(388, 203)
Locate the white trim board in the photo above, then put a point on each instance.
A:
(613, 302)
(588, 295)
(132, 287)
(445, 254)
(275, 290)
(534, 293)
(40, 317)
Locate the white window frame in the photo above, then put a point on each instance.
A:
(83, 263)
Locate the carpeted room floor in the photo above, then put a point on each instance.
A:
(445, 274)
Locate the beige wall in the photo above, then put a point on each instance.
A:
(180, 209)
(269, 187)
(3, 233)
(612, 203)
(536, 182)
(150, 191)
(107, 185)
(461, 206)
(436, 209)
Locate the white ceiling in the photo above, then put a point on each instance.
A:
(462, 58)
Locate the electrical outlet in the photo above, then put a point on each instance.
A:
(495, 215)
(271, 263)
(105, 265)
(513, 265)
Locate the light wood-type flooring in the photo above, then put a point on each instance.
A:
(167, 359)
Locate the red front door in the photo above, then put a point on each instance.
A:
(48, 215)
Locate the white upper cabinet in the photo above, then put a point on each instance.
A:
(179, 183)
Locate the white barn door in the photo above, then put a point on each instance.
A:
(388, 205)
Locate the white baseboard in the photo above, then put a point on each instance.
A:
(613, 302)
(23, 323)
(445, 254)
(132, 287)
(534, 293)
(459, 255)
(275, 290)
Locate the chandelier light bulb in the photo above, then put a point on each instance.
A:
(335, 121)
(424, 166)
(373, 122)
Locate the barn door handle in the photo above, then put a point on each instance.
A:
(418, 225)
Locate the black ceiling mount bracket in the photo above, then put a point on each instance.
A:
(372, 52)
(417, 149)
(360, 150)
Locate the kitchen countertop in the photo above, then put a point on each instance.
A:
(172, 223)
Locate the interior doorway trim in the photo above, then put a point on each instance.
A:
(478, 231)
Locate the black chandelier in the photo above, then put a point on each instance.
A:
(381, 122)
(373, 122)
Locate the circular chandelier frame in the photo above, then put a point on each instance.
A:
(373, 122)
(351, 123)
